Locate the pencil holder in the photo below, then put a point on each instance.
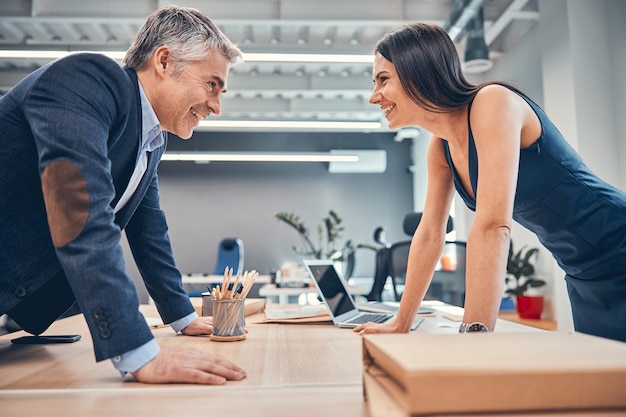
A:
(228, 319)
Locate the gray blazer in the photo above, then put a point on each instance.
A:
(69, 137)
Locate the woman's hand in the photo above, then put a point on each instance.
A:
(371, 328)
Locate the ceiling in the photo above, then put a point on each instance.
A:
(261, 91)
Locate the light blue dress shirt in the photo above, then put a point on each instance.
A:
(151, 138)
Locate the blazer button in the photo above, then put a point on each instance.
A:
(98, 314)
(105, 333)
(20, 291)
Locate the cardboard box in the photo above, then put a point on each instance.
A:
(421, 374)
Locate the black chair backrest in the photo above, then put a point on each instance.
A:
(412, 220)
(448, 283)
(397, 264)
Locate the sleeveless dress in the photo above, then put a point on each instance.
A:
(578, 217)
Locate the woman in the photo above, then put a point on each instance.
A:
(508, 162)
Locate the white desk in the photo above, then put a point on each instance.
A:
(281, 295)
(199, 283)
(202, 279)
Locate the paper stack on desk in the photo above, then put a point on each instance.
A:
(479, 373)
(276, 313)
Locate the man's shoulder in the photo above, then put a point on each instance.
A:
(94, 73)
(92, 62)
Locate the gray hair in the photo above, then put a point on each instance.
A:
(187, 32)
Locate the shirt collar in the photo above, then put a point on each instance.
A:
(151, 137)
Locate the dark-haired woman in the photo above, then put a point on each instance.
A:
(507, 161)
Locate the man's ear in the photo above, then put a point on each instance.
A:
(161, 59)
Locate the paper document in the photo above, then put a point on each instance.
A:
(295, 313)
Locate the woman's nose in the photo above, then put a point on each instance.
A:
(375, 97)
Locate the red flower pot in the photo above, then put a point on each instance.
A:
(529, 307)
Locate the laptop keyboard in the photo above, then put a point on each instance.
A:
(373, 317)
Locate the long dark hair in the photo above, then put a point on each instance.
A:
(429, 67)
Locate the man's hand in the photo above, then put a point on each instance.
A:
(200, 326)
(188, 365)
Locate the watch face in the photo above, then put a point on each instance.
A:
(476, 328)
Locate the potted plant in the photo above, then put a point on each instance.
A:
(520, 270)
(327, 236)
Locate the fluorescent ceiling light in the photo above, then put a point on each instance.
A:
(370, 161)
(258, 57)
(249, 57)
(286, 124)
(258, 157)
(55, 54)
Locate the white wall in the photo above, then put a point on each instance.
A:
(583, 54)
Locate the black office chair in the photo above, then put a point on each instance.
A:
(448, 283)
(381, 273)
(397, 260)
(350, 259)
(380, 270)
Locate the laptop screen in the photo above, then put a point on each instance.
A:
(332, 288)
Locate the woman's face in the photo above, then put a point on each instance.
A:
(388, 93)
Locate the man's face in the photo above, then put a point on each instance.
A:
(191, 94)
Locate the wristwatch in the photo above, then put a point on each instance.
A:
(476, 327)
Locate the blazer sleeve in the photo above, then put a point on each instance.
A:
(147, 235)
(77, 110)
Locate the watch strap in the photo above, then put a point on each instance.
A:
(475, 327)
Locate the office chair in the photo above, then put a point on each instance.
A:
(379, 237)
(230, 254)
(448, 282)
(397, 259)
(350, 260)
(380, 271)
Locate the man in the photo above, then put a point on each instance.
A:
(80, 141)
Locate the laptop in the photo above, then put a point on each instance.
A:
(334, 294)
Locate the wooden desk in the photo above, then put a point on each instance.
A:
(304, 370)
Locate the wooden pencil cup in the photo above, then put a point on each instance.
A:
(228, 320)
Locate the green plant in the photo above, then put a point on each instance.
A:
(327, 235)
(520, 270)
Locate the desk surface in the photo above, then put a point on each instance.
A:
(304, 370)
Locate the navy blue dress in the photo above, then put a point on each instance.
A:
(578, 217)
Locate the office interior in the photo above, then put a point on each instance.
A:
(568, 55)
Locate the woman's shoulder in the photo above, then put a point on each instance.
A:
(496, 91)
(497, 98)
